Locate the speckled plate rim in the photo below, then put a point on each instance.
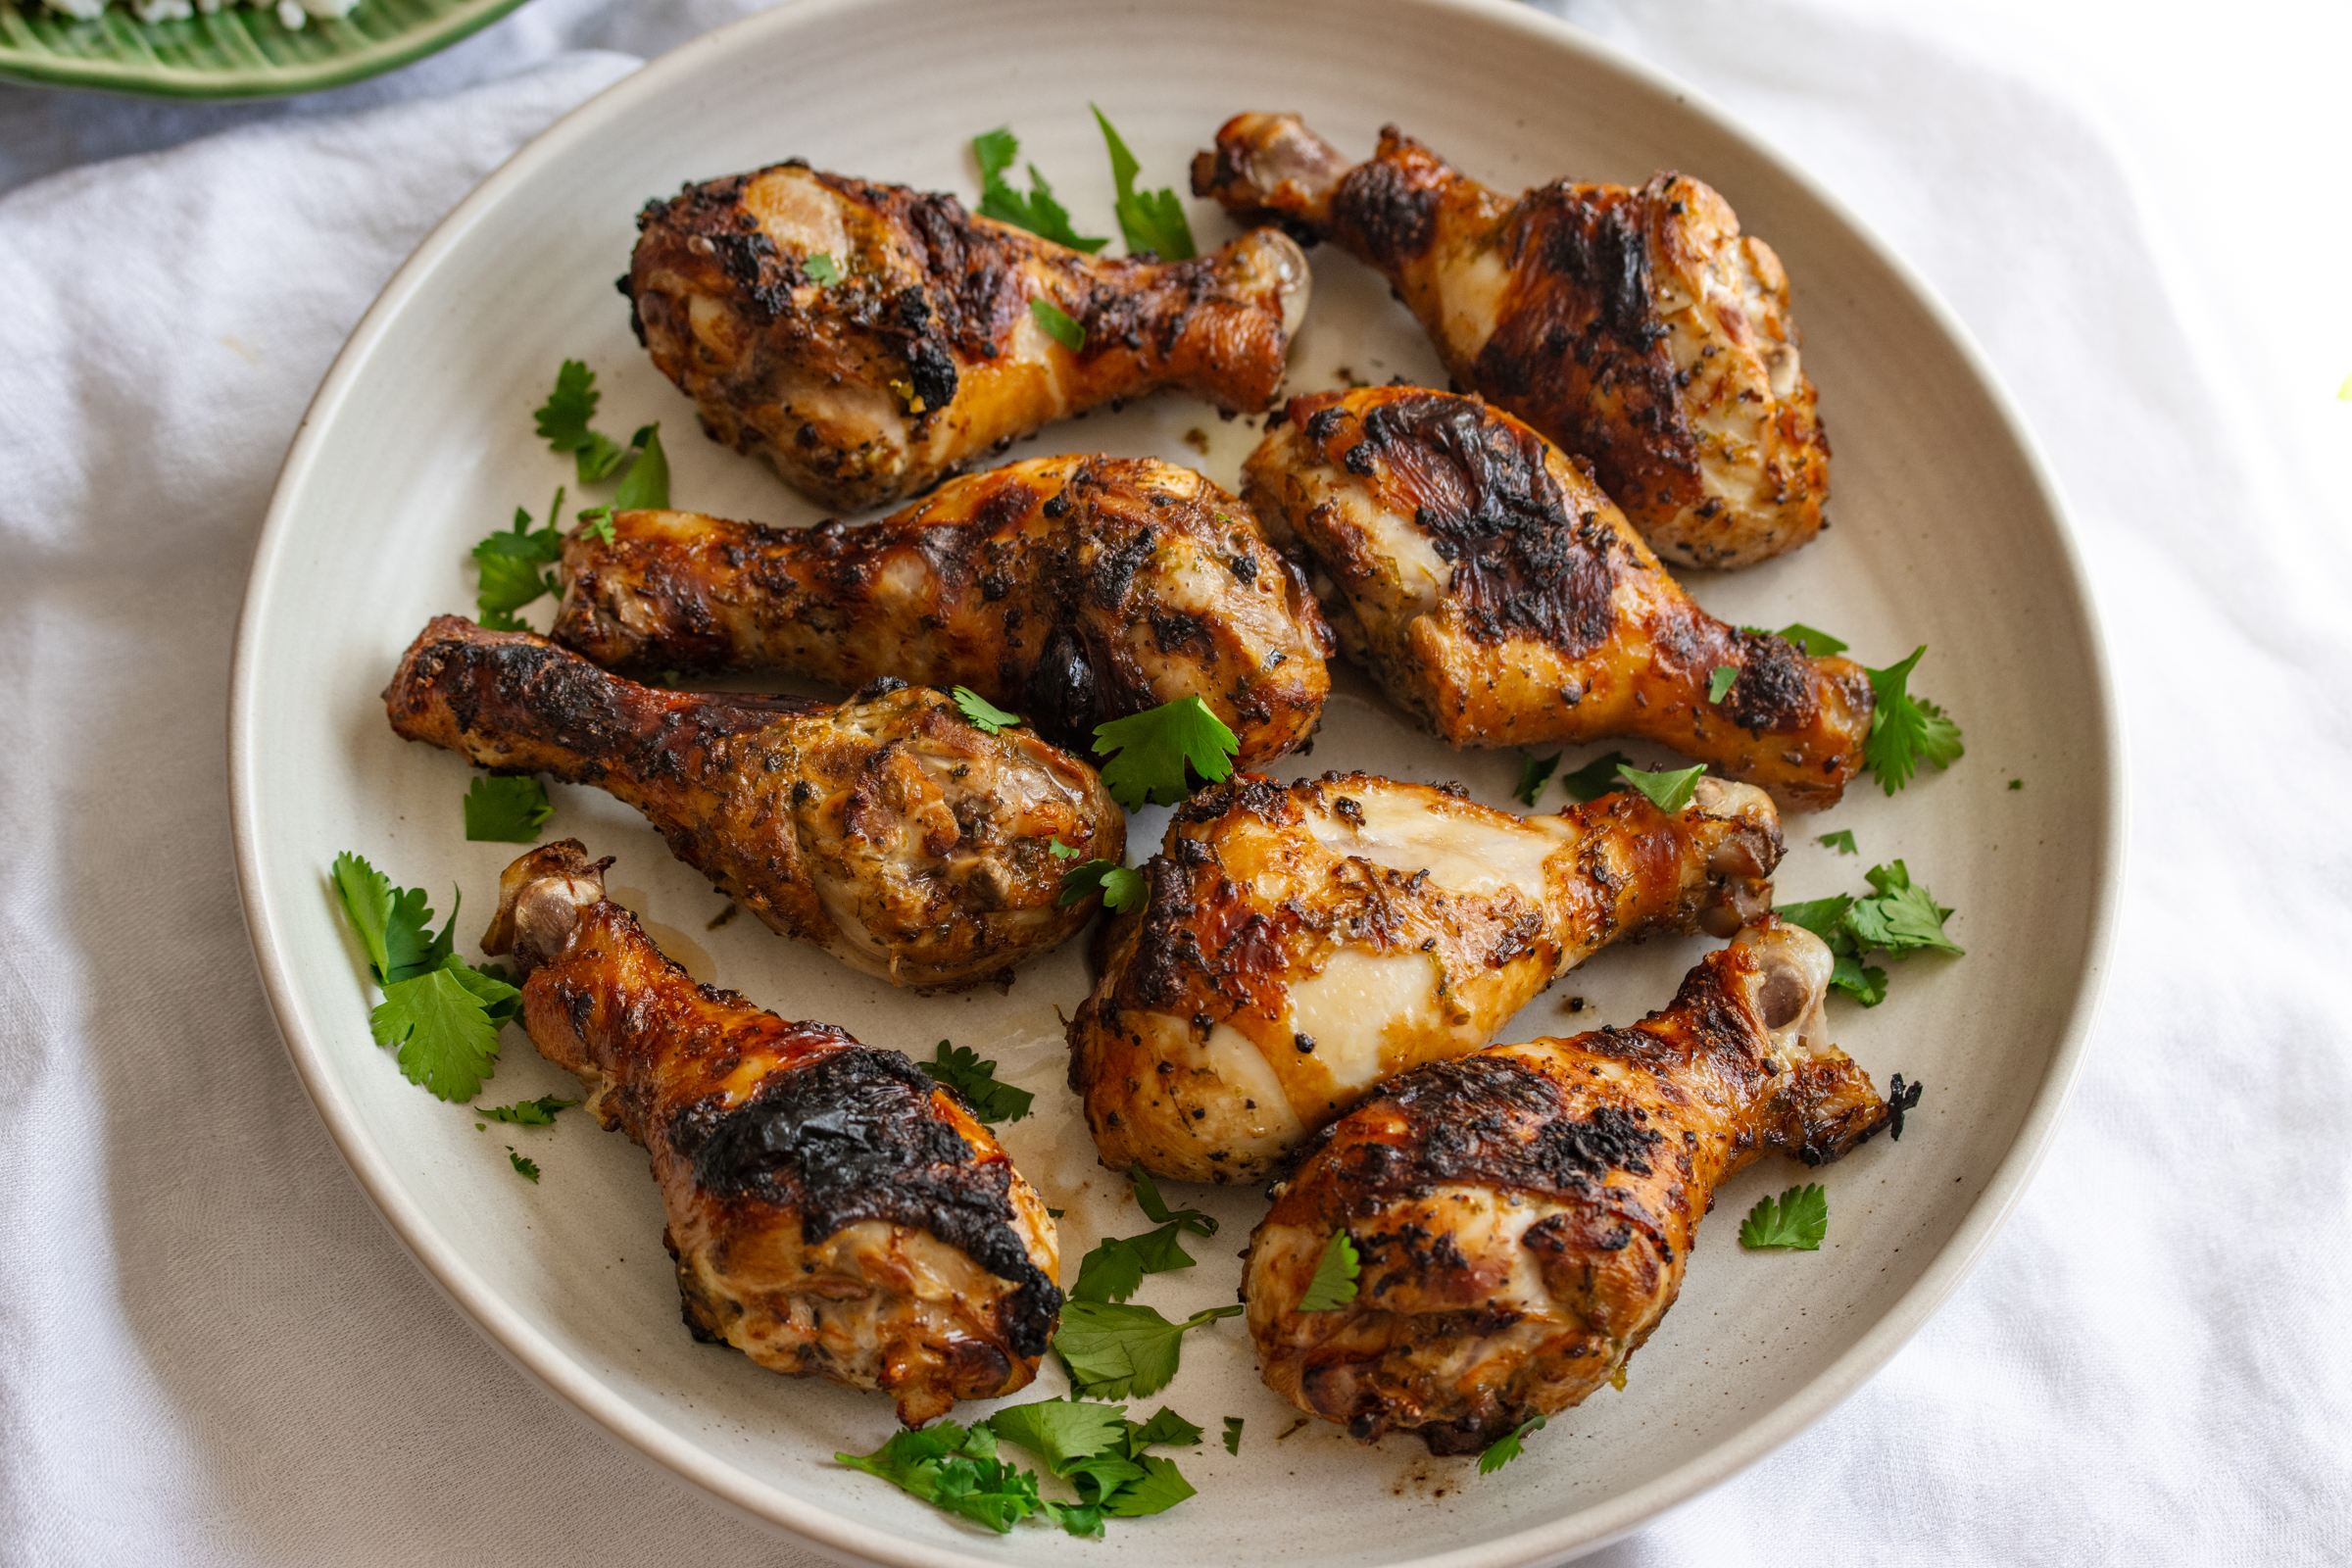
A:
(149, 78)
(1569, 1535)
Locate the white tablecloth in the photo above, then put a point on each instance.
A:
(210, 1350)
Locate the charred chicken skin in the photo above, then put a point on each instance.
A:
(913, 348)
(1497, 593)
(1639, 328)
(1298, 945)
(1074, 590)
(832, 1212)
(888, 831)
(1523, 1216)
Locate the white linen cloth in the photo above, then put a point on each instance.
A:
(212, 1352)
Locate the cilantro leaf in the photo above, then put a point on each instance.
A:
(1150, 221)
(1122, 886)
(1160, 1488)
(1038, 211)
(1061, 1432)
(367, 895)
(1101, 1451)
(1115, 1351)
(439, 1023)
(1596, 778)
(1905, 730)
(1843, 840)
(1823, 917)
(1167, 1430)
(958, 1470)
(1669, 792)
(961, 1069)
(821, 270)
(509, 564)
(523, 1165)
(647, 483)
(1902, 917)
(506, 810)
(985, 716)
(1155, 1207)
(1503, 1449)
(1797, 1222)
(540, 1112)
(1533, 774)
(1720, 680)
(1149, 751)
(1233, 1434)
(1810, 641)
(1057, 324)
(1334, 1284)
(1866, 983)
(1115, 1268)
(562, 424)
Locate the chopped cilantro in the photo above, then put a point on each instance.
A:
(1669, 792)
(1117, 1351)
(957, 1469)
(1150, 220)
(524, 1165)
(1155, 1207)
(440, 1013)
(1596, 778)
(506, 810)
(961, 1069)
(1233, 1434)
(647, 483)
(1058, 326)
(1899, 917)
(2017, 783)
(1810, 641)
(1843, 840)
(1797, 1222)
(1062, 851)
(1103, 1454)
(509, 564)
(540, 1112)
(1533, 774)
(1334, 1284)
(1905, 730)
(984, 714)
(1167, 1430)
(562, 424)
(821, 270)
(1720, 680)
(1122, 886)
(1116, 1267)
(1149, 751)
(1038, 211)
(1503, 1449)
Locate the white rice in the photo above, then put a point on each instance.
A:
(291, 13)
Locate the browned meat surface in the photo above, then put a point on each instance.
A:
(888, 831)
(1074, 590)
(1639, 328)
(1498, 595)
(1298, 946)
(833, 1213)
(1523, 1216)
(925, 354)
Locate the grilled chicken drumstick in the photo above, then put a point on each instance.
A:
(832, 1211)
(913, 348)
(1498, 594)
(1074, 590)
(888, 831)
(1298, 945)
(1523, 1216)
(1639, 328)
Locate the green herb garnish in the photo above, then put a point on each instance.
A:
(1905, 730)
(985, 716)
(821, 270)
(1116, 1267)
(562, 424)
(1843, 840)
(1810, 641)
(540, 1112)
(1533, 774)
(960, 1069)
(506, 810)
(1795, 1222)
(1720, 680)
(1058, 326)
(1152, 220)
(1149, 751)
(1117, 1351)
(1669, 792)
(524, 1166)
(440, 1014)
(1596, 778)
(1335, 1271)
(511, 565)
(1233, 1434)
(1503, 1449)
(1899, 917)
(1122, 886)
(1038, 211)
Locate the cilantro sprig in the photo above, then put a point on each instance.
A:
(646, 486)
(1058, 324)
(1150, 752)
(1503, 1449)
(540, 1112)
(524, 1165)
(511, 565)
(1905, 730)
(1669, 792)
(1117, 1352)
(963, 1069)
(506, 810)
(1899, 917)
(1335, 1271)
(1037, 211)
(1122, 886)
(985, 716)
(1795, 1222)
(1596, 778)
(440, 1014)
(1150, 221)
(1233, 1434)
(1115, 1270)
(1843, 840)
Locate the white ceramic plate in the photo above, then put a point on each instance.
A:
(1947, 532)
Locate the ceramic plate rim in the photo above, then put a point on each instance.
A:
(1580, 1531)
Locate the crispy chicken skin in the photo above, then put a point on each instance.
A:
(1493, 589)
(833, 1213)
(1073, 590)
(1298, 945)
(1639, 328)
(888, 831)
(925, 354)
(1522, 1215)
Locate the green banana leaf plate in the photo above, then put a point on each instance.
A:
(235, 52)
